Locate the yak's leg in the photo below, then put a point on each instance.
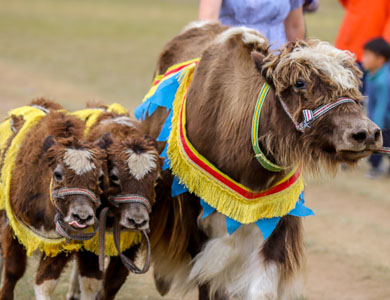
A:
(74, 285)
(90, 277)
(14, 257)
(116, 273)
(48, 273)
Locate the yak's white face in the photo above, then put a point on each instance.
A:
(141, 163)
(79, 160)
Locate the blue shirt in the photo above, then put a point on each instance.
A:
(266, 16)
(378, 91)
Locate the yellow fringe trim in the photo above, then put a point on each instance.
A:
(91, 115)
(216, 194)
(128, 239)
(28, 238)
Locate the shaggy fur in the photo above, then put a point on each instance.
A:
(220, 105)
(133, 165)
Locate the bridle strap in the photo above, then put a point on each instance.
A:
(127, 262)
(63, 230)
(65, 191)
(61, 227)
(131, 198)
(383, 151)
(102, 236)
(309, 116)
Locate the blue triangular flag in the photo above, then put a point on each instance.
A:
(267, 226)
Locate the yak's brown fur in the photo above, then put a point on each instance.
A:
(220, 104)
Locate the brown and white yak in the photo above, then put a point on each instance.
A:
(234, 66)
(50, 184)
(133, 167)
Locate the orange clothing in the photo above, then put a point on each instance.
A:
(363, 21)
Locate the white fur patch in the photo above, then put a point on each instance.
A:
(198, 24)
(79, 160)
(74, 287)
(122, 120)
(329, 60)
(141, 164)
(44, 290)
(89, 287)
(249, 36)
(233, 264)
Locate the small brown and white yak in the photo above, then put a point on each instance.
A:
(44, 154)
(234, 65)
(133, 166)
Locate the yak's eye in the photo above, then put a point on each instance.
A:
(58, 173)
(58, 176)
(300, 85)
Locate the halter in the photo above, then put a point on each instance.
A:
(61, 227)
(131, 198)
(309, 116)
(128, 263)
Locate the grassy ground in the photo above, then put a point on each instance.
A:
(79, 50)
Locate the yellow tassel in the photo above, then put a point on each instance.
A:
(128, 238)
(91, 115)
(218, 195)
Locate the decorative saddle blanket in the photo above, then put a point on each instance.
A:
(195, 174)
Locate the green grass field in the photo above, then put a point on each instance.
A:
(74, 51)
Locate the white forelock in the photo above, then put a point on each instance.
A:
(122, 120)
(198, 24)
(329, 60)
(249, 36)
(79, 160)
(141, 164)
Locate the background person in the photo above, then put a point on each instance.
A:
(363, 20)
(278, 20)
(375, 60)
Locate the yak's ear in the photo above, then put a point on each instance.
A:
(258, 59)
(105, 141)
(48, 143)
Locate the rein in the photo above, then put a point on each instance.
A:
(127, 262)
(61, 227)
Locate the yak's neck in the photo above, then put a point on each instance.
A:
(219, 126)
